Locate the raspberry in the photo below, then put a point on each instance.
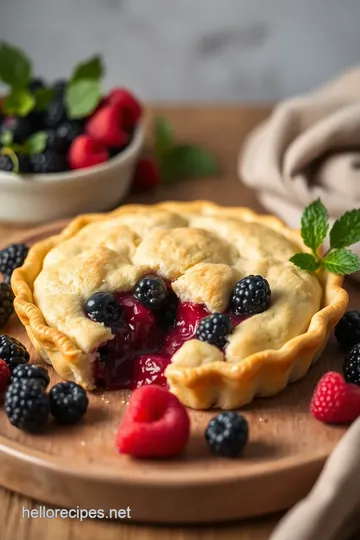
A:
(68, 402)
(251, 295)
(86, 152)
(129, 104)
(6, 303)
(104, 308)
(347, 330)
(4, 375)
(13, 352)
(12, 257)
(334, 401)
(27, 405)
(227, 434)
(146, 176)
(29, 371)
(151, 291)
(48, 162)
(214, 329)
(155, 425)
(107, 126)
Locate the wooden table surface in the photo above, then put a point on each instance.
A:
(222, 129)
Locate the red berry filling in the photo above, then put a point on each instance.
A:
(143, 347)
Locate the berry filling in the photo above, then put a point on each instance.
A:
(143, 346)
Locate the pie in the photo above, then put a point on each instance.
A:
(153, 294)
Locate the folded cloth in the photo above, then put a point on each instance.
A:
(332, 509)
(308, 148)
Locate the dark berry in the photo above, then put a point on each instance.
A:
(20, 127)
(13, 352)
(151, 291)
(6, 163)
(6, 303)
(48, 161)
(52, 140)
(29, 371)
(24, 162)
(251, 295)
(214, 329)
(227, 434)
(12, 257)
(60, 87)
(347, 331)
(55, 113)
(27, 405)
(67, 131)
(103, 307)
(169, 311)
(351, 366)
(36, 84)
(68, 402)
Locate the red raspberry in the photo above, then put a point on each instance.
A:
(146, 175)
(4, 375)
(86, 152)
(107, 125)
(334, 401)
(128, 103)
(155, 425)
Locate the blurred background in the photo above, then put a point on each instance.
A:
(210, 50)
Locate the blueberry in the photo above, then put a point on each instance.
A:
(104, 308)
(151, 291)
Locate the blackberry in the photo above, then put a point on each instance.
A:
(104, 308)
(36, 84)
(55, 113)
(12, 257)
(251, 295)
(347, 330)
(52, 140)
(227, 434)
(25, 166)
(48, 161)
(151, 291)
(29, 371)
(6, 163)
(13, 352)
(169, 311)
(27, 405)
(214, 329)
(351, 366)
(21, 127)
(67, 131)
(60, 87)
(6, 303)
(68, 402)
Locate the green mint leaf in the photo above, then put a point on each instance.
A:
(43, 98)
(15, 66)
(19, 103)
(164, 137)
(82, 97)
(305, 261)
(189, 161)
(346, 230)
(341, 261)
(36, 143)
(92, 69)
(7, 138)
(314, 224)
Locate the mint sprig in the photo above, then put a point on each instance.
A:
(345, 232)
(178, 161)
(83, 92)
(15, 66)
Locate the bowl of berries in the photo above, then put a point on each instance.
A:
(65, 147)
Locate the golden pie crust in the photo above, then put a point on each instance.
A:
(203, 249)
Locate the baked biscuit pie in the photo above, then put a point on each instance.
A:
(120, 300)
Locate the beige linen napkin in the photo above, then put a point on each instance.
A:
(332, 509)
(308, 148)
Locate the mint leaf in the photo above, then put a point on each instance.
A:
(341, 261)
(7, 138)
(90, 69)
(314, 224)
(15, 66)
(190, 161)
(43, 98)
(164, 137)
(305, 261)
(346, 230)
(36, 143)
(18, 103)
(82, 97)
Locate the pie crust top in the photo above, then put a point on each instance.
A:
(203, 250)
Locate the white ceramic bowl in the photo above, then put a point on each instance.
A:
(38, 198)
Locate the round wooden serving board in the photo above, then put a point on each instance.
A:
(79, 465)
